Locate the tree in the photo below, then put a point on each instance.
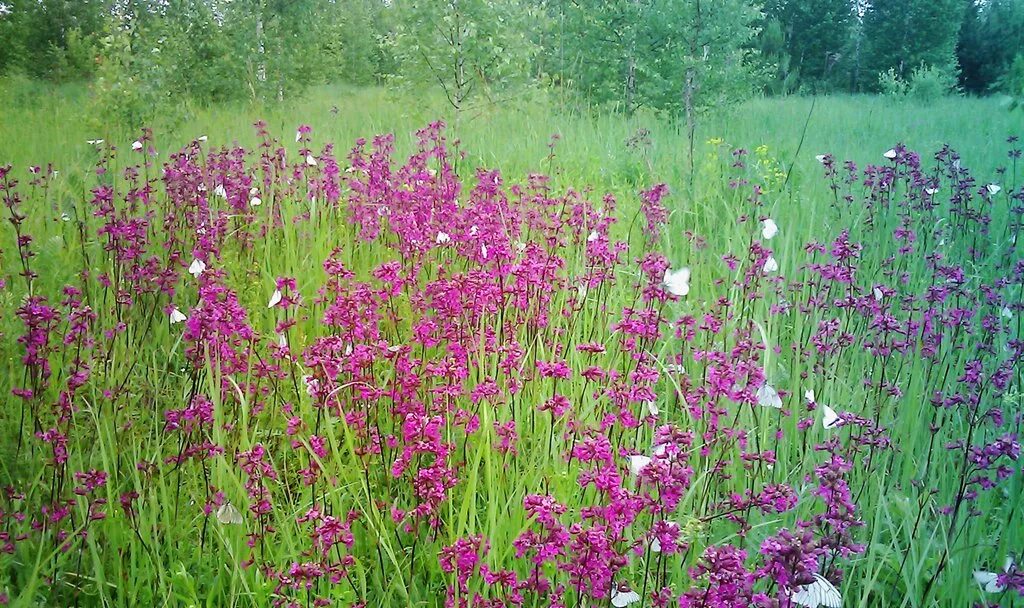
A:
(51, 39)
(277, 42)
(993, 32)
(781, 77)
(464, 46)
(904, 35)
(679, 56)
(817, 35)
(351, 41)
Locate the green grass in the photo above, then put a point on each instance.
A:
(160, 562)
(43, 124)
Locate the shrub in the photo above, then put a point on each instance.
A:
(1012, 83)
(891, 84)
(929, 83)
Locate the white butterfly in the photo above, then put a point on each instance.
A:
(877, 293)
(677, 282)
(94, 142)
(593, 236)
(819, 593)
(310, 160)
(930, 191)
(228, 514)
(656, 544)
(312, 385)
(988, 580)
(768, 397)
(177, 316)
(275, 298)
(621, 599)
(202, 138)
(809, 395)
(771, 264)
(136, 145)
(821, 158)
(890, 154)
(442, 238)
(197, 267)
(830, 419)
(1006, 312)
(638, 462)
(993, 188)
(220, 191)
(652, 408)
(769, 229)
(298, 136)
(255, 201)
(674, 368)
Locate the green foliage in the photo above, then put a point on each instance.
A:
(929, 83)
(904, 34)
(669, 55)
(465, 46)
(275, 43)
(1012, 83)
(128, 84)
(51, 39)
(816, 37)
(993, 32)
(891, 84)
(352, 44)
(781, 77)
(197, 59)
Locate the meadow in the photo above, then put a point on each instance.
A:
(519, 356)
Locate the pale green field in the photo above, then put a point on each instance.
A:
(40, 125)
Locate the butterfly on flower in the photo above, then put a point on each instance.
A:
(176, 316)
(623, 596)
(638, 462)
(818, 593)
(197, 267)
(829, 418)
(989, 581)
